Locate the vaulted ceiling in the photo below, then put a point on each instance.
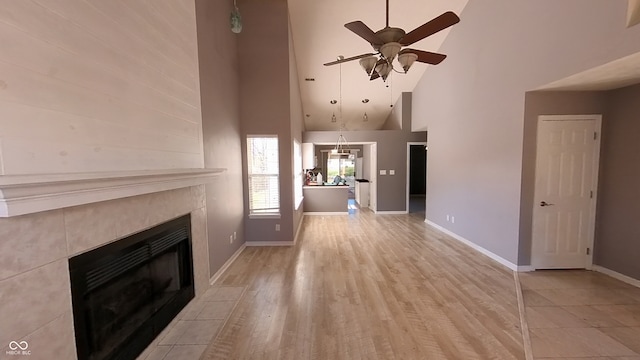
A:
(319, 36)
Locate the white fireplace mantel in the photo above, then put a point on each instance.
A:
(26, 194)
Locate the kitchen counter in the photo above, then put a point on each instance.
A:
(325, 199)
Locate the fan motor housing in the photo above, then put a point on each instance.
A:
(389, 34)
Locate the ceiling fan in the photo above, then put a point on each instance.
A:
(388, 44)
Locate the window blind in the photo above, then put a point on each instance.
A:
(263, 174)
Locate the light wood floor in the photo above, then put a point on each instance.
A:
(369, 286)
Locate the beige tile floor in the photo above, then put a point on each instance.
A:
(581, 314)
(196, 326)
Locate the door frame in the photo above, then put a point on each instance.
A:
(596, 167)
(409, 143)
(373, 181)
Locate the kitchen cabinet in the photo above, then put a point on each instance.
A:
(308, 156)
(362, 194)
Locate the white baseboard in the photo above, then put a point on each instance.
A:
(226, 265)
(526, 268)
(326, 213)
(616, 275)
(269, 243)
(474, 246)
(401, 212)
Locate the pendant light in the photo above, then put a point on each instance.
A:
(365, 117)
(342, 146)
(236, 19)
(333, 116)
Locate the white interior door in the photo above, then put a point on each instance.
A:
(566, 181)
(373, 176)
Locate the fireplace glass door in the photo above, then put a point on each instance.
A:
(125, 293)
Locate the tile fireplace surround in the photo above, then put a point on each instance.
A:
(46, 219)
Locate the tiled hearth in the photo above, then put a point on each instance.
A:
(196, 326)
(35, 248)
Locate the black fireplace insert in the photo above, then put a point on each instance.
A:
(125, 293)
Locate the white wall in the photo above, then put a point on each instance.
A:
(98, 85)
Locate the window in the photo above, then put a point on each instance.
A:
(298, 174)
(263, 175)
(343, 166)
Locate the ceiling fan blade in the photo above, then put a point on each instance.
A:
(362, 30)
(426, 56)
(438, 24)
(348, 59)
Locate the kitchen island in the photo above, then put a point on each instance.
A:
(325, 199)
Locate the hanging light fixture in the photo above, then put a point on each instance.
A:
(365, 117)
(333, 117)
(342, 146)
(236, 19)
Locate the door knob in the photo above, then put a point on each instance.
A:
(544, 203)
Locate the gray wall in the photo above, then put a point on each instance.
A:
(266, 104)
(394, 120)
(473, 103)
(546, 103)
(617, 244)
(219, 87)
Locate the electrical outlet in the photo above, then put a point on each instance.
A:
(447, 217)
(277, 227)
(235, 236)
(383, 172)
(453, 219)
(392, 172)
(230, 239)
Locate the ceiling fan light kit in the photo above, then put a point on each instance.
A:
(382, 69)
(406, 60)
(389, 41)
(368, 63)
(390, 50)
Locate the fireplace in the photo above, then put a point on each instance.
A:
(125, 293)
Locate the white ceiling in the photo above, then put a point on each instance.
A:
(319, 36)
